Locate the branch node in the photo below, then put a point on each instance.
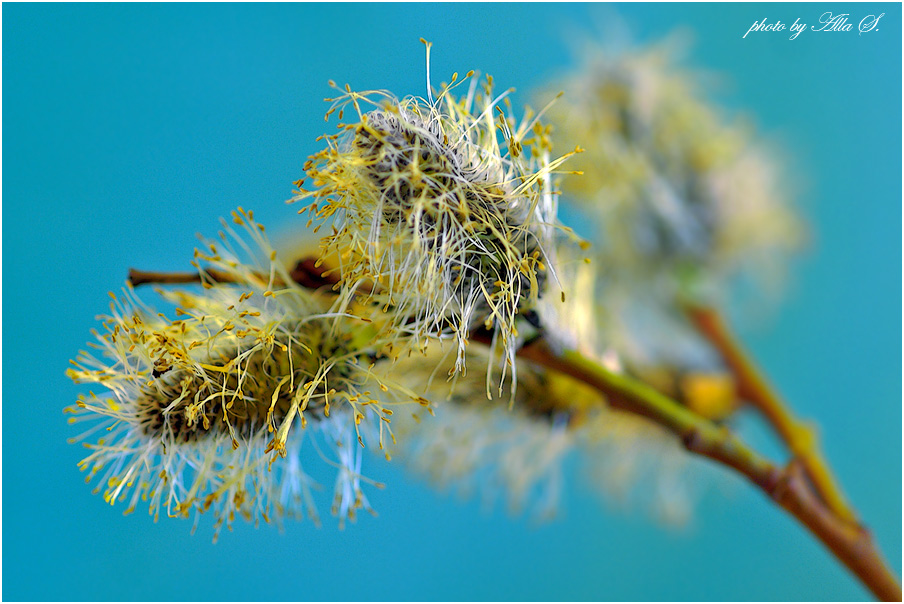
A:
(692, 440)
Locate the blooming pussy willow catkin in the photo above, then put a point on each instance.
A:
(210, 410)
(685, 203)
(442, 210)
(677, 189)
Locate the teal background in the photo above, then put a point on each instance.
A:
(129, 128)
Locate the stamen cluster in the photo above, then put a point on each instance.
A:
(251, 367)
(433, 216)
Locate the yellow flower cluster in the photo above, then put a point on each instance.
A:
(201, 407)
(435, 216)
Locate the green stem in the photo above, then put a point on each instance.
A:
(753, 387)
(851, 544)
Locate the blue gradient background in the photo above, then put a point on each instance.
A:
(129, 128)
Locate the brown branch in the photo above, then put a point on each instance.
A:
(753, 387)
(306, 273)
(851, 544)
(139, 277)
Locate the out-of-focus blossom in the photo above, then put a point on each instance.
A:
(685, 203)
(211, 410)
